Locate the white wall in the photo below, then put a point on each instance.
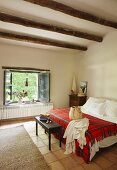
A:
(61, 65)
(99, 67)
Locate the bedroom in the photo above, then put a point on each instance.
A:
(97, 65)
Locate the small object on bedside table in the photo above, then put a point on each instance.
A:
(81, 93)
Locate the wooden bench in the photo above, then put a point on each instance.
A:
(49, 128)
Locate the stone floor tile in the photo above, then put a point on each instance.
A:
(55, 147)
(113, 167)
(68, 163)
(91, 166)
(56, 166)
(43, 136)
(44, 150)
(78, 167)
(50, 157)
(78, 159)
(111, 157)
(103, 162)
(60, 154)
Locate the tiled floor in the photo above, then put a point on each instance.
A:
(106, 159)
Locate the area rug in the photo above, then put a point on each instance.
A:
(18, 152)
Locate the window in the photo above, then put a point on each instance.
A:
(26, 86)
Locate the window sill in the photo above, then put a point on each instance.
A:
(24, 104)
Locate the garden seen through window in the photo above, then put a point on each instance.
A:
(26, 86)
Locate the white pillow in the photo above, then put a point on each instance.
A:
(92, 100)
(111, 108)
(96, 108)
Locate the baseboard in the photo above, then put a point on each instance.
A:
(29, 118)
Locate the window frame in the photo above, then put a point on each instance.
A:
(23, 70)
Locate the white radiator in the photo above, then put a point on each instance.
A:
(24, 110)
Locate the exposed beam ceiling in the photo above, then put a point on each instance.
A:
(38, 40)
(29, 23)
(73, 12)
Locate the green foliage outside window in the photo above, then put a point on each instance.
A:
(18, 85)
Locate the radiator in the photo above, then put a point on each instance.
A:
(24, 110)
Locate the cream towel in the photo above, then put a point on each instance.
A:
(75, 130)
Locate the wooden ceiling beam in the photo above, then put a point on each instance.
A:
(73, 12)
(29, 23)
(26, 38)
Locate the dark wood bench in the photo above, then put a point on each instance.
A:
(49, 128)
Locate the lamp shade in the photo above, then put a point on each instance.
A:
(74, 88)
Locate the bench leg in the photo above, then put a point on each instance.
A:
(60, 142)
(36, 128)
(60, 137)
(49, 141)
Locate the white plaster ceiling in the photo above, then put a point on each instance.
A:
(102, 8)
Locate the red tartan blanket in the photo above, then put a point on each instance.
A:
(98, 129)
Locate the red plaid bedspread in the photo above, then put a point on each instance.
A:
(98, 129)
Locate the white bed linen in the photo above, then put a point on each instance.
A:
(102, 144)
(107, 118)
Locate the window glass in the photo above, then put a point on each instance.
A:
(44, 87)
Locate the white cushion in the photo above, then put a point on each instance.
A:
(92, 100)
(111, 108)
(96, 108)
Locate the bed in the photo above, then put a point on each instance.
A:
(102, 130)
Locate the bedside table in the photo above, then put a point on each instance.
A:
(75, 100)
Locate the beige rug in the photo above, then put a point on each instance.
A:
(18, 152)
